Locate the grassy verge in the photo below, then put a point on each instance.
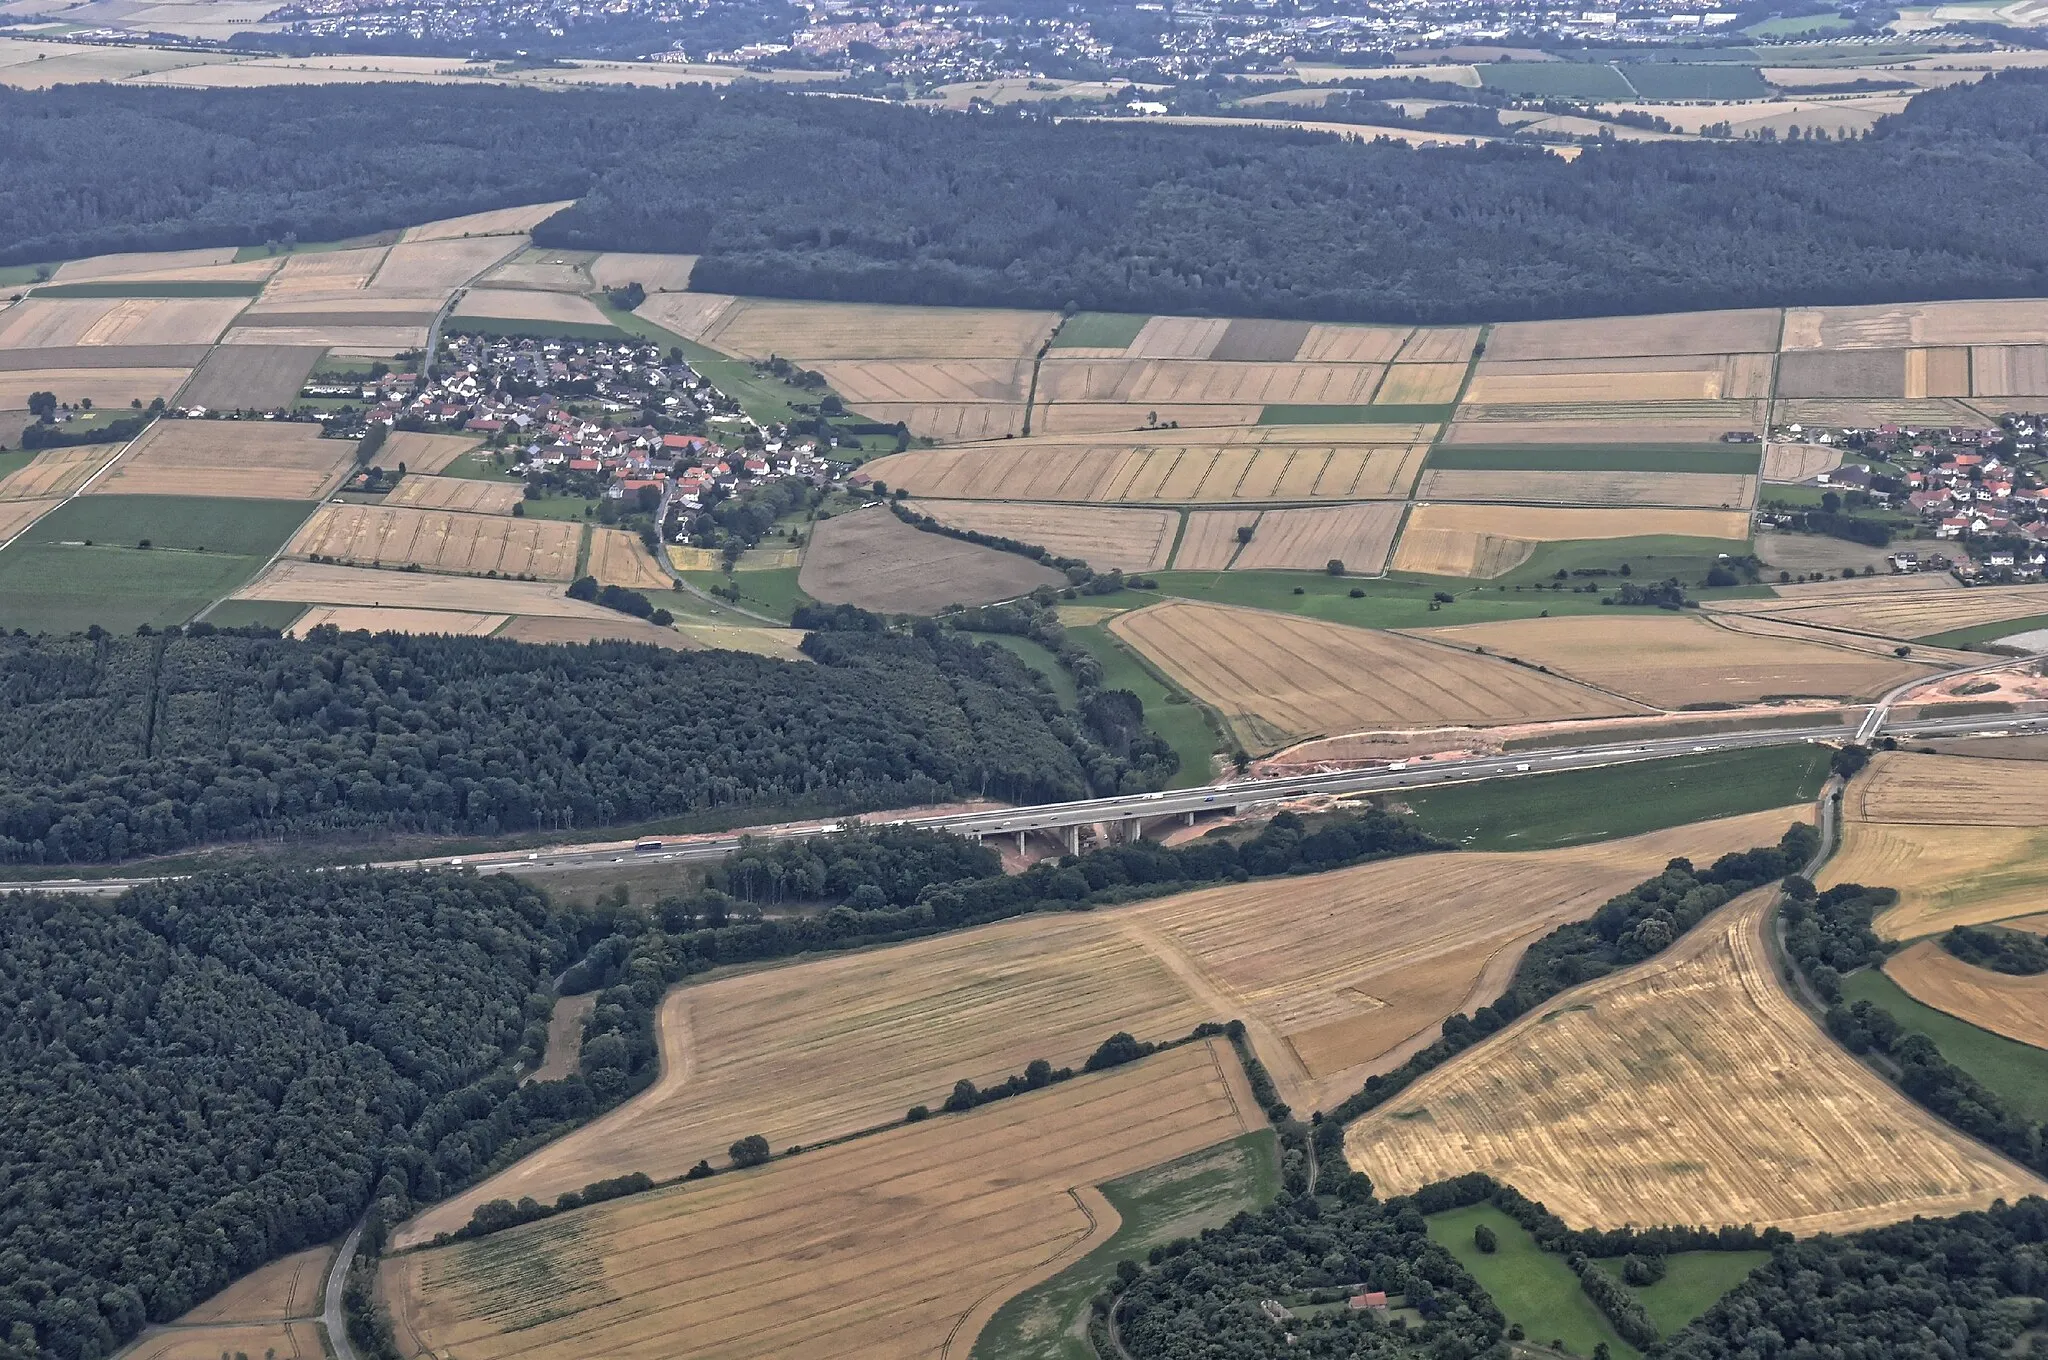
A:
(1168, 711)
(1693, 1282)
(1985, 632)
(1040, 659)
(2017, 1072)
(1736, 458)
(1578, 807)
(1704, 724)
(1528, 1284)
(1204, 1189)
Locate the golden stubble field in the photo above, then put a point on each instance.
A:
(242, 459)
(331, 583)
(41, 323)
(1484, 541)
(890, 1246)
(427, 492)
(1277, 678)
(1688, 1089)
(1683, 489)
(1735, 332)
(1893, 612)
(2016, 1007)
(619, 558)
(1106, 539)
(440, 540)
(1359, 536)
(812, 332)
(1334, 976)
(268, 1311)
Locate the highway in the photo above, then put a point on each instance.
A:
(1147, 807)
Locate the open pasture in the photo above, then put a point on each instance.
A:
(814, 331)
(2009, 370)
(1210, 539)
(495, 222)
(1278, 678)
(438, 265)
(1684, 489)
(528, 304)
(1670, 661)
(353, 618)
(422, 453)
(619, 558)
(1797, 462)
(1485, 541)
(1359, 536)
(908, 1233)
(44, 323)
(330, 583)
(1291, 463)
(655, 273)
(1688, 1089)
(456, 493)
(2016, 1007)
(2013, 321)
(1754, 331)
(1149, 382)
(1106, 539)
(1338, 972)
(255, 376)
(105, 386)
(874, 560)
(1910, 614)
(440, 540)
(244, 459)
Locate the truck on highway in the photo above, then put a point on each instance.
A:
(643, 847)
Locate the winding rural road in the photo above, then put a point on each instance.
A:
(331, 1315)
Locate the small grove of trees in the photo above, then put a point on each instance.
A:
(2004, 951)
(618, 597)
(752, 1150)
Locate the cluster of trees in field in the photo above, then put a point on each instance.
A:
(2003, 951)
(112, 747)
(208, 1073)
(1013, 208)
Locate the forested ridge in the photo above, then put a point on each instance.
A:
(114, 747)
(1013, 208)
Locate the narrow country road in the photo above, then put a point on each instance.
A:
(331, 1316)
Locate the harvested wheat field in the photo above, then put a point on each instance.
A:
(422, 453)
(1870, 411)
(495, 222)
(1420, 384)
(1797, 462)
(1673, 660)
(2018, 321)
(1111, 417)
(436, 266)
(814, 331)
(1696, 422)
(1359, 536)
(455, 493)
(616, 628)
(1334, 344)
(324, 272)
(1440, 345)
(353, 618)
(693, 316)
(843, 1042)
(1174, 466)
(1943, 372)
(1738, 332)
(1688, 1089)
(1579, 384)
(1900, 786)
(99, 267)
(1954, 875)
(104, 386)
(299, 1340)
(550, 271)
(619, 558)
(2016, 1007)
(1150, 382)
(527, 304)
(1273, 342)
(440, 540)
(262, 372)
(1484, 541)
(1842, 373)
(1685, 489)
(782, 644)
(286, 1288)
(44, 323)
(240, 459)
(960, 422)
(1106, 539)
(2009, 370)
(1181, 337)
(1911, 613)
(329, 583)
(655, 273)
(863, 382)
(1278, 678)
(874, 560)
(56, 472)
(18, 515)
(906, 1234)
(1210, 539)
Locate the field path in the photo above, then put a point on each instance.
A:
(1103, 1221)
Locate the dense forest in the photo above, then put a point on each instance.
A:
(206, 1074)
(114, 747)
(1013, 208)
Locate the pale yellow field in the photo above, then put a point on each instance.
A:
(1669, 422)
(328, 583)
(1949, 791)
(1688, 1089)
(1870, 411)
(655, 273)
(1421, 384)
(289, 1287)
(1440, 345)
(329, 271)
(2009, 370)
(290, 1341)
(39, 323)
(1941, 372)
(950, 422)
(248, 459)
(1490, 540)
(56, 472)
(1738, 332)
(140, 262)
(350, 618)
(879, 1248)
(381, 341)
(18, 515)
(1122, 540)
(1210, 539)
(619, 558)
(1278, 678)
(693, 316)
(438, 265)
(1353, 344)
(549, 271)
(1293, 463)
(1359, 536)
(1149, 382)
(528, 304)
(422, 453)
(1178, 337)
(866, 381)
(2017, 321)
(348, 306)
(1918, 613)
(2016, 1007)
(1673, 660)
(617, 628)
(813, 331)
(1704, 490)
(456, 493)
(1102, 417)
(440, 540)
(105, 386)
(1797, 462)
(780, 643)
(1333, 975)
(1495, 388)
(497, 222)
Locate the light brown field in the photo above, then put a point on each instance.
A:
(455, 493)
(950, 422)
(549, 271)
(263, 374)
(1869, 411)
(105, 386)
(528, 304)
(1440, 345)
(496, 222)
(1277, 678)
(1293, 463)
(379, 341)
(38, 323)
(422, 453)
(1359, 536)
(655, 273)
(782, 644)
(1333, 975)
(99, 267)
(616, 628)
(1949, 791)
(564, 1052)
(347, 306)
(436, 265)
(56, 472)
(1915, 613)
(328, 583)
(2018, 321)
(1822, 374)
(1673, 660)
(2009, 370)
(1353, 344)
(289, 1287)
(1943, 372)
(1106, 539)
(1670, 422)
(245, 459)
(1103, 417)
(1210, 539)
(290, 1340)
(1688, 1089)
(690, 315)
(908, 1232)
(1420, 384)
(1490, 540)
(866, 381)
(1150, 382)
(874, 560)
(18, 515)
(1177, 337)
(1687, 489)
(1739, 332)
(619, 558)
(352, 618)
(813, 331)
(1495, 388)
(1863, 588)
(2016, 1007)
(440, 540)
(329, 271)
(1797, 462)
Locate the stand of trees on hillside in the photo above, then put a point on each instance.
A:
(113, 747)
(1012, 208)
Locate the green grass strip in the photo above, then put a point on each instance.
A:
(1391, 413)
(153, 288)
(2016, 1072)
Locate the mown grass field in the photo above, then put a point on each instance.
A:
(1099, 330)
(1693, 1282)
(1986, 632)
(1741, 458)
(1168, 711)
(1577, 807)
(2016, 1072)
(1390, 413)
(1528, 1284)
